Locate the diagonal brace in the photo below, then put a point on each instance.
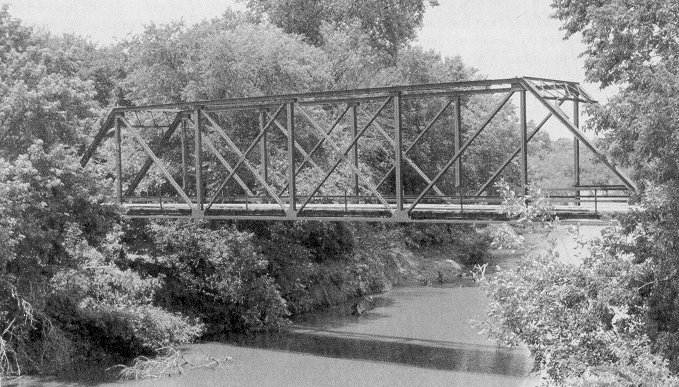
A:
(516, 152)
(226, 165)
(416, 141)
(343, 154)
(243, 159)
(149, 152)
(405, 157)
(301, 150)
(317, 146)
(561, 116)
(462, 149)
(159, 152)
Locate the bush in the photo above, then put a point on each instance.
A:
(112, 310)
(470, 246)
(651, 239)
(583, 324)
(503, 236)
(318, 264)
(214, 275)
(61, 299)
(323, 240)
(534, 207)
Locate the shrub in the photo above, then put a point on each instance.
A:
(534, 207)
(316, 263)
(503, 236)
(323, 240)
(215, 275)
(470, 246)
(582, 323)
(61, 299)
(651, 239)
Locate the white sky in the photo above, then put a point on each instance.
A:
(501, 38)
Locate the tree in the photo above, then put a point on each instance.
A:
(390, 25)
(632, 44)
(41, 96)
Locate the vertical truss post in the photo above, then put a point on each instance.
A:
(263, 151)
(524, 143)
(199, 158)
(119, 162)
(458, 140)
(354, 151)
(182, 139)
(398, 153)
(576, 151)
(292, 191)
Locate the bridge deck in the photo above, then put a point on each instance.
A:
(435, 213)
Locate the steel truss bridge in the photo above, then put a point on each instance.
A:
(305, 156)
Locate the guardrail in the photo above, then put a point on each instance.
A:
(574, 196)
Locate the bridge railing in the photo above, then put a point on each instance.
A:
(594, 198)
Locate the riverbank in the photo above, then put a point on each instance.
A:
(411, 335)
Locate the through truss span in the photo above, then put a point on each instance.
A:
(392, 154)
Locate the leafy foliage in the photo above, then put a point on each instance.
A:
(217, 276)
(389, 25)
(582, 323)
(61, 298)
(41, 96)
(532, 207)
(633, 45)
(172, 63)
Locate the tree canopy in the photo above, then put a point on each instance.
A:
(633, 45)
(390, 25)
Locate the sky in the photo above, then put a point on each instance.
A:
(501, 38)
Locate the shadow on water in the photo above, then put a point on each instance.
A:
(401, 350)
(322, 334)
